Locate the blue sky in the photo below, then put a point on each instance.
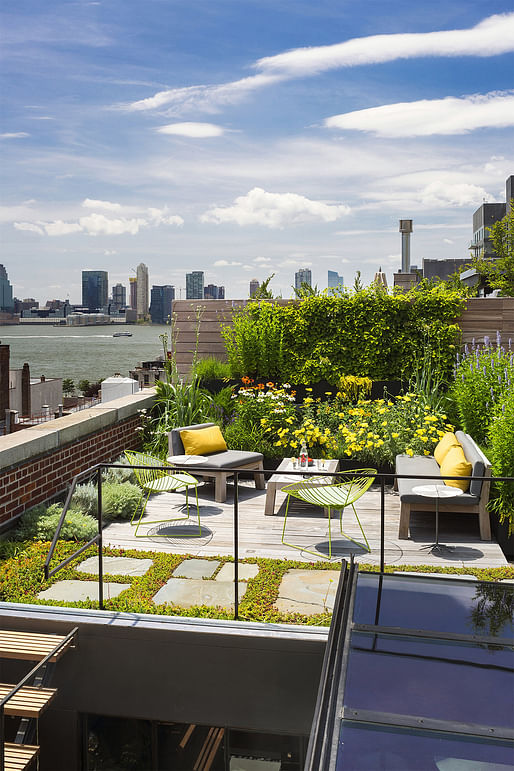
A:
(245, 137)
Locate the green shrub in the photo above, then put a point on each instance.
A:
(212, 369)
(119, 474)
(40, 524)
(368, 333)
(119, 501)
(482, 378)
(501, 455)
(223, 405)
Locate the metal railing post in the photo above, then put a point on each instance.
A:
(236, 545)
(2, 738)
(100, 543)
(382, 524)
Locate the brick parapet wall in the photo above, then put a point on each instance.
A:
(39, 463)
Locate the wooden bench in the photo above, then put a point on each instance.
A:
(30, 646)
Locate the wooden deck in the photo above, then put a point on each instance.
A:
(260, 535)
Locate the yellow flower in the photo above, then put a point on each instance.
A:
(426, 452)
(409, 452)
(395, 435)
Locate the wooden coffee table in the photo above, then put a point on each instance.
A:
(281, 478)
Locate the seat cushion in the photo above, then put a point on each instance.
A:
(455, 464)
(230, 459)
(203, 441)
(477, 460)
(421, 465)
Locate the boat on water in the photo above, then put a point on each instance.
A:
(122, 334)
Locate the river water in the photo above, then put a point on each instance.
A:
(81, 353)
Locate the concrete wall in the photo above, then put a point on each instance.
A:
(261, 677)
(483, 316)
(40, 462)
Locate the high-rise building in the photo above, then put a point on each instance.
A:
(302, 276)
(95, 289)
(485, 217)
(142, 290)
(213, 292)
(6, 298)
(335, 281)
(254, 287)
(133, 292)
(161, 303)
(194, 285)
(119, 296)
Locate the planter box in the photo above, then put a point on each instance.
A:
(501, 533)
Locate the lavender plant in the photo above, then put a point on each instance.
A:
(483, 376)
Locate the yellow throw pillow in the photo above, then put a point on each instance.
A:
(203, 441)
(448, 440)
(455, 465)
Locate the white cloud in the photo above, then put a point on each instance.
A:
(91, 203)
(262, 260)
(448, 241)
(227, 263)
(274, 210)
(97, 223)
(451, 115)
(492, 36)
(60, 228)
(31, 227)
(192, 130)
(14, 135)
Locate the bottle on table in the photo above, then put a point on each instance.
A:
(303, 460)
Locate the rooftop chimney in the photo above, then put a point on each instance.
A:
(405, 230)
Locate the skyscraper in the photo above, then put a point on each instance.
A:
(254, 286)
(119, 296)
(133, 292)
(142, 290)
(335, 280)
(6, 298)
(194, 285)
(213, 292)
(95, 289)
(302, 276)
(161, 303)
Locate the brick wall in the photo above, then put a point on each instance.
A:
(40, 462)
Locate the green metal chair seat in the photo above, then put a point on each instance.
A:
(322, 491)
(153, 477)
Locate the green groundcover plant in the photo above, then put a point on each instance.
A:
(501, 450)
(22, 578)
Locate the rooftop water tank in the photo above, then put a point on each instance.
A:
(117, 386)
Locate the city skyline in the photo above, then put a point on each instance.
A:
(246, 142)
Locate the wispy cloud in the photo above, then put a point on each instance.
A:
(227, 264)
(14, 135)
(426, 117)
(492, 36)
(192, 130)
(274, 210)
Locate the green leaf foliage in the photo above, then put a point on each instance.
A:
(40, 524)
(368, 333)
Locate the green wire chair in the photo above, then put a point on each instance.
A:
(156, 480)
(321, 491)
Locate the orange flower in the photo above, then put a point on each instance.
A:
(270, 384)
(260, 386)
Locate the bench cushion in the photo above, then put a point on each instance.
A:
(203, 441)
(420, 466)
(477, 460)
(216, 461)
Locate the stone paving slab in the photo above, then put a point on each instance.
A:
(76, 591)
(187, 592)
(307, 591)
(117, 566)
(196, 568)
(245, 572)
